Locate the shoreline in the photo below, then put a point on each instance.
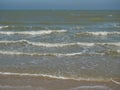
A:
(12, 82)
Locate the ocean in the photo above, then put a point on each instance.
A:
(59, 50)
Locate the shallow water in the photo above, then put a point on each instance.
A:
(77, 45)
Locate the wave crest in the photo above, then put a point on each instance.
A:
(48, 54)
(98, 33)
(59, 44)
(1, 27)
(109, 52)
(42, 32)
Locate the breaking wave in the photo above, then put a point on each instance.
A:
(1, 27)
(55, 76)
(46, 44)
(98, 33)
(59, 44)
(48, 54)
(42, 32)
(107, 52)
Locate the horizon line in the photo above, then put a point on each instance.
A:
(59, 9)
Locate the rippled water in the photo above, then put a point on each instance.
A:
(80, 45)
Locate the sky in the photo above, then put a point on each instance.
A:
(61, 4)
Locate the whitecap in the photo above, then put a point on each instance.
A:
(48, 44)
(87, 44)
(1, 27)
(104, 33)
(42, 32)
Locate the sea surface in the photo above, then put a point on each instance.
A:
(60, 45)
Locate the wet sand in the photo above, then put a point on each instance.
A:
(10, 82)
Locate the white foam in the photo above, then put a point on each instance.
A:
(118, 51)
(35, 54)
(53, 76)
(48, 54)
(99, 33)
(94, 87)
(1, 27)
(116, 82)
(42, 32)
(60, 44)
(105, 33)
(110, 43)
(29, 74)
(48, 44)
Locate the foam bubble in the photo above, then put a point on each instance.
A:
(47, 44)
(59, 44)
(1, 27)
(28, 74)
(42, 32)
(53, 76)
(116, 82)
(96, 87)
(48, 54)
(98, 33)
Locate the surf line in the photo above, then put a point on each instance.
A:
(116, 82)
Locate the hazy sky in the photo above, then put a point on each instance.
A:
(60, 4)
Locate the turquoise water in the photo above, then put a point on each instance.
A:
(60, 44)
